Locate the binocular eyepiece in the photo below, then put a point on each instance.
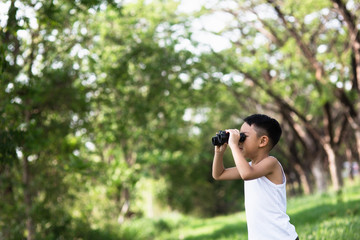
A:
(223, 137)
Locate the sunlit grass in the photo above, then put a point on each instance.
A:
(224, 227)
(327, 216)
(316, 217)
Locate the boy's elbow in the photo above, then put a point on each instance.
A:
(215, 177)
(218, 175)
(246, 176)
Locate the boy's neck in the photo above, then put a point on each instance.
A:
(259, 158)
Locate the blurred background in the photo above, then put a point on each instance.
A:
(107, 108)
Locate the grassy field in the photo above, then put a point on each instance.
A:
(328, 216)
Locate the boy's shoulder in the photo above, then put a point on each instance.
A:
(271, 159)
(277, 173)
(268, 161)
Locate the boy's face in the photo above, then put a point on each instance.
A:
(251, 144)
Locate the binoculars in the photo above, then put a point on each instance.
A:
(223, 137)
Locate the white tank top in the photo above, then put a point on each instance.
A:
(265, 206)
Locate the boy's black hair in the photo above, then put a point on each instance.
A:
(269, 125)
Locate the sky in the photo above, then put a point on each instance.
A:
(206, 24)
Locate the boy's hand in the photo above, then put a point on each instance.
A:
(221, 149)
(234, 136)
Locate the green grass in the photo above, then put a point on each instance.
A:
(326, 216)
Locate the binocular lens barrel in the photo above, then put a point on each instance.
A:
(223, 137)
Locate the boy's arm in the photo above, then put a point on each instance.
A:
(218, 170)
(247, 171)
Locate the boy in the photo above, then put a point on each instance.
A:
(264, 178)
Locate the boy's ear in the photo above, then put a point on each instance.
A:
(264, 140)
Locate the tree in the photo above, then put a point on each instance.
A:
(42, 99)
(140, 97)
(275, 67)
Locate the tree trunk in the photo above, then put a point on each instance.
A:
(303, 179)
(301, 163)
(333, 166)
(7, 193)
(27, 188)
(130, 159)
(354, 123)
(357, 139)
(28, 200)
(319, 174)
(349, 159)
(125, 207)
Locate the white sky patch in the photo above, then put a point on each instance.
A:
(333, 24)
(76, 153)
(9, 87)
(16, 100)
(216, 21)
(232, 77)
(22, 78)
(187, 114)
(33, 158)
(348, 85)
(196, 115)
(311, 17)
(57, 65)
(206, 28)
(195, 130)
(184, 77)
(264, 11)
(333, 78)
(217, 43)
(24, 35)
(198, 82)
(4, 8)
(19, 153)
(37, 65)
(260, 40)
(90, 146)
(203, 26)
(322, 48)
(79, 51)
(186, 44)
(26, 12)
(339, 85)
(190, 6)
(90, 79)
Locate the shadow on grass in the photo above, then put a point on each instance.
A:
(229, 231)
